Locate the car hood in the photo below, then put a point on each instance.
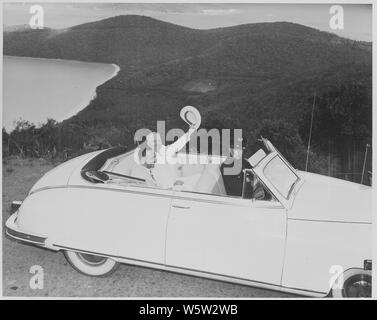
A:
(61, 174)
(323, 198)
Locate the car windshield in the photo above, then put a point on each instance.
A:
(281, 176)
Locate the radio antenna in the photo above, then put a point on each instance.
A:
(310, 134)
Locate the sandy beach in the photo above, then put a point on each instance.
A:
(36, 89)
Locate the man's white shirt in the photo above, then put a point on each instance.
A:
(163, 172)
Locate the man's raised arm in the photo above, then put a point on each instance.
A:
(180, 143)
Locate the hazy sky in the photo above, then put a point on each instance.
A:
(357, 18)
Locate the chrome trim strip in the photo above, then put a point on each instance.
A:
(97, 188)
(105, 255)
(331, 221)
(194, 270)
(241, 202)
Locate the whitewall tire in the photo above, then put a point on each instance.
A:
(91, 265)
(355, 283)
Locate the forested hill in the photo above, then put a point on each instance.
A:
(254, 76)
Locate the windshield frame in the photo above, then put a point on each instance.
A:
(292, 187)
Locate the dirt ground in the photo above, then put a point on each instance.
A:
(60, 279)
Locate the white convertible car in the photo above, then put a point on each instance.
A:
(301, 233)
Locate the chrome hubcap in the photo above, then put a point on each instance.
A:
(358, 286)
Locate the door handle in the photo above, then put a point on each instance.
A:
(180, 207)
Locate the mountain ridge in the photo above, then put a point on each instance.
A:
(256, 72)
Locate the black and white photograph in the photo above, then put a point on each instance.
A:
(187, 150)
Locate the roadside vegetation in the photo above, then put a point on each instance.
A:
(342, 128)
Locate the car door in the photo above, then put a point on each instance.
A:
(229, 236)
(126, 221)
(141, 223)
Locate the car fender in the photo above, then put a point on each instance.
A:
(317, 250)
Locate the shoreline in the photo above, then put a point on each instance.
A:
(60, 60)
(92, 96)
